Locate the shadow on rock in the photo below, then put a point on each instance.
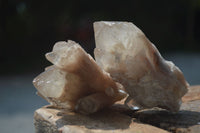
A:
(168, 120)
(104, 120)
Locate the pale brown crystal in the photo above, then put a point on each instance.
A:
(76, 80)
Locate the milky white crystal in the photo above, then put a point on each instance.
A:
(123, 50)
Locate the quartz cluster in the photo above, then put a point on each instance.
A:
(124, 51)
(126, 63)
(75, 81)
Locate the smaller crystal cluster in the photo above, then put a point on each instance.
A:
(75, 81)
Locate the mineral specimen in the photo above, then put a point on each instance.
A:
(75, 81)
(123, 50)
(126, 60)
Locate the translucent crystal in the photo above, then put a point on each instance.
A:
(123, 50)
(52, 80)
(75, 80)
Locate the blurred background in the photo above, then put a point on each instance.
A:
(29, 29)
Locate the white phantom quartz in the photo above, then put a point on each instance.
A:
(124, 51)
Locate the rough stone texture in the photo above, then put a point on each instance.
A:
(119, 119)
(75, 81)
(106, 121)
(193, 94)
(124, 51)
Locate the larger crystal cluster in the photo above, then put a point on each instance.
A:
(124, 51)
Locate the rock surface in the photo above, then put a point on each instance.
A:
(119, 119)
(53, 120)
(124, 51)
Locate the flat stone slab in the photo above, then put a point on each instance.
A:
(119, 119)
(54, 120)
